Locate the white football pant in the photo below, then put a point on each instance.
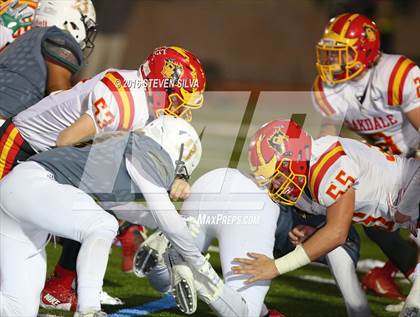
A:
(232, 209)
(33, 204)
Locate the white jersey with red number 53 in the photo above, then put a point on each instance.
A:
(378, 178)
(374, 106)
(114, 99)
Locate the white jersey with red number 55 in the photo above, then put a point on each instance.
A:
(374, 106)
(378, 178)
(114, 99)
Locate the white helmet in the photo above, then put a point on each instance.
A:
(179, 139)
(78, 17)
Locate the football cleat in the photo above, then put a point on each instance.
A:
(182, 282)
(207, 282)
(56, 296)
(412, 304)
(97, 313)
(130, 241)
(381, 282)
(410, 312)
(107, 299)
(150, 254)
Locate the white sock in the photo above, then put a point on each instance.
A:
(91, 266)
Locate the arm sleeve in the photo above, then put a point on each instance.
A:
(411, 91)
(167, 218)
(60, 48)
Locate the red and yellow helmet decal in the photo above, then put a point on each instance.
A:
(278, 157)
(176, 81)
(350, 44)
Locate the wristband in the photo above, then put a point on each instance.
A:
(292, 261)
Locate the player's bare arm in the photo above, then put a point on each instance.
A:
(332, 235)
(59, 77)
(81, 129)
(414, 117)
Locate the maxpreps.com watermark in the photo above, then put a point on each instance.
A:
(223, 219)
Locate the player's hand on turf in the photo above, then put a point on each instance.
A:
(300, 233)
(180, 189)
(259, 266)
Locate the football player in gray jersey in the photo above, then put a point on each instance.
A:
(66, 193)
(45, 58)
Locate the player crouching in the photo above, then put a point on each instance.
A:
(64, 192)
(347, 180)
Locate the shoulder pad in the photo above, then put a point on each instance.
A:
(61, 48)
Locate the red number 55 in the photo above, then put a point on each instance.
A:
(344, 182)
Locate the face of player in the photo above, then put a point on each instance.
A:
(284, 188)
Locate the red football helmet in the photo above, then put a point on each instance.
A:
(278, 156)
(350, 44)
(176, 81)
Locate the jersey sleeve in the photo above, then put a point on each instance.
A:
(411, 92)
(149, 161)
(325, 101)
(111, 104)
(61, 48)
(332, 175)
(403, 89)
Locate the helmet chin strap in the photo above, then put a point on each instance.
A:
(180, 168)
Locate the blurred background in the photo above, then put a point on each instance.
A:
(243, 44)
(253, 51)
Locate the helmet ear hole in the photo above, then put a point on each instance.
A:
(74, 26)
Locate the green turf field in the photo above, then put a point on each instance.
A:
(221, 120)
(289, 294)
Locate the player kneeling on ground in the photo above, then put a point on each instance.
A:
(60, 187)
(339, 174)
(228, 206)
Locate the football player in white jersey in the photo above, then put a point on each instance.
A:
(45, 58)
(171, 81)
(376, 95)
(347, 181)
(66, 190)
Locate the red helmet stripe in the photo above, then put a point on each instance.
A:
(321, 98)
(337, 25)
(347, 24)
(397, 80)
(319, 169)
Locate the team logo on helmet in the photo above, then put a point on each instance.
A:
(369, 33)
(276, 141)
(172, 70)
(264, 170)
